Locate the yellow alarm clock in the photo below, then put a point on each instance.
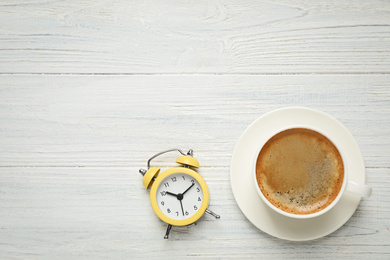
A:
(179, 195)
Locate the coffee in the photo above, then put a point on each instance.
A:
(299, 171)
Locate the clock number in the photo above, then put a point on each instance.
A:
(169, 210)
(195, 207)
(162, 203)
(173, 179)
(199, 199)
(197, 188)
(177, 213)
(192, 181)
(183, 178)
(187, 213)
(163, 193)
(166, 184)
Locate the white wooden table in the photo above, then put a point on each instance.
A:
(89, 90)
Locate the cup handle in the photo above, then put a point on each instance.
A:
(359, 189)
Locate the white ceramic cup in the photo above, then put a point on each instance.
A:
(359, 189)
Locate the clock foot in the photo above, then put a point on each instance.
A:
(212, 214)
(168, 230)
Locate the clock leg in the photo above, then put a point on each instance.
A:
(212, 214)
(168, 230)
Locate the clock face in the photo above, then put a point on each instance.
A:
(179, 196)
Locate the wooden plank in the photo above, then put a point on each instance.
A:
(128, 37)
(104, 212)
(79, 121)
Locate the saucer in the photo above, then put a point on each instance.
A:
(257, 211)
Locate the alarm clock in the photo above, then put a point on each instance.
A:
(179, 196)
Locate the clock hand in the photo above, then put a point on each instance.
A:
(178, 196)
(188, 189)
(170, 193)
(181, 204)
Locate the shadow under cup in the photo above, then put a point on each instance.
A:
(299, 172)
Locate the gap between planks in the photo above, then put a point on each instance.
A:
(190, 74)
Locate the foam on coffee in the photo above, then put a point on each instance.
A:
(299, 171)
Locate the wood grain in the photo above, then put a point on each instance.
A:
(195, 37)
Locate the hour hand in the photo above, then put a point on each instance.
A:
(170, 193)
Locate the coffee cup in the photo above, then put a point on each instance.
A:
(300, 172)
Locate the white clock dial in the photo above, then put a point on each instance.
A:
(179, 196)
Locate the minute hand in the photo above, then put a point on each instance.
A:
(188, 189)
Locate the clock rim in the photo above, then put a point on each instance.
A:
(181, 222)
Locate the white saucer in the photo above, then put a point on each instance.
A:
(257, 211)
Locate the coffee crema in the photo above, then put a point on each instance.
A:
(299, 171)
